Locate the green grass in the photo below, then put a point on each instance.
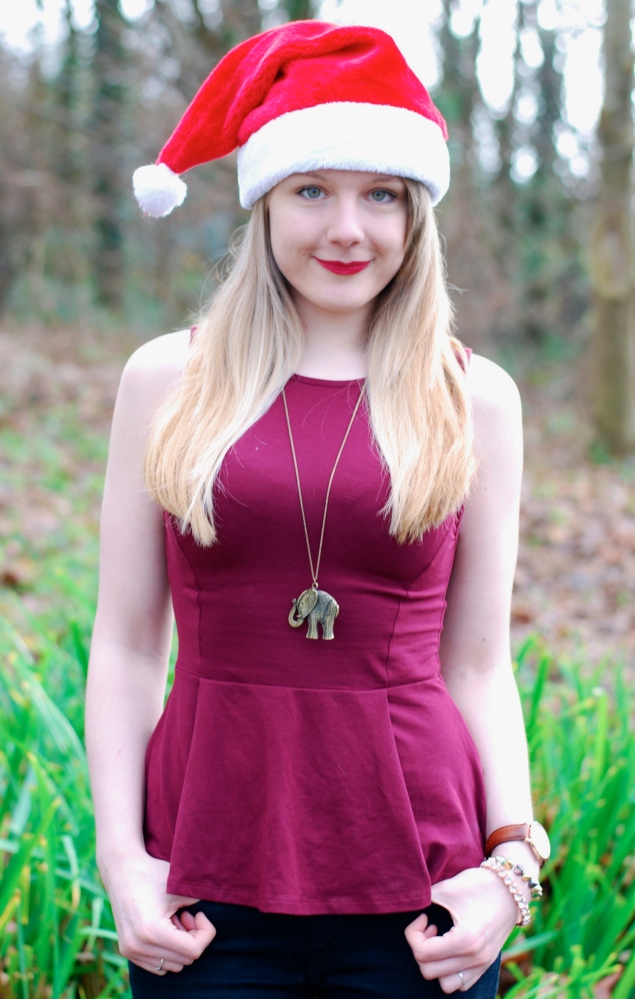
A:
(50, 895)
(56, 928)
(583, 765)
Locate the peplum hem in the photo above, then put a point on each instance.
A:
(337, 906)
(269, 769)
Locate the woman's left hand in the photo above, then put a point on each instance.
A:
(484, 914)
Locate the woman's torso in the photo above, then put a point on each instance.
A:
(299, 775)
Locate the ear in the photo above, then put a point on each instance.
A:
(307, 601)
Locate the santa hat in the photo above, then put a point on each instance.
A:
(304, 96)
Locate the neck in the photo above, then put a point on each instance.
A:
(334, 347)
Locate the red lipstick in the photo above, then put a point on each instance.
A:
(337, 267)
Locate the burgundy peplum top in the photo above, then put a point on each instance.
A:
(310, 776)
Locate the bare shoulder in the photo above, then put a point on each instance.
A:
(154, 369)
(161, 359)
(133, 607)
(496, 407)
(492, 390)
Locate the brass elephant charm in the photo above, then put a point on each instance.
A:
(319, 607)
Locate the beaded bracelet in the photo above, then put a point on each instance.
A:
(505, 870)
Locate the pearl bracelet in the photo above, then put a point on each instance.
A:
(506, 870)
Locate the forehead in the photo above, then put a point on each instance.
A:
(344, 178)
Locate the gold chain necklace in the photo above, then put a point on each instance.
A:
(317, 605)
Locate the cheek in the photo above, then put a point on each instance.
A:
(277, 244)
(402, 238)
(276, 251)
(393, 240)
(288, 239)
(279, 228)
(398, 247)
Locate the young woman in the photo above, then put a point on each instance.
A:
(319, 459)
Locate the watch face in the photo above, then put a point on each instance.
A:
(540, 840)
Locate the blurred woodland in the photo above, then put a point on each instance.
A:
(538, 230)
(79, 116)
(538, 226)
(78, 119)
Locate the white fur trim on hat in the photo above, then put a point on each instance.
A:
(158, 189)
(345, 135)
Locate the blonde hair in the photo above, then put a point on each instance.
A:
(249, 343)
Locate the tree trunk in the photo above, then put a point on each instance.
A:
(7, 265)
(459, 100)
(108, 67)
(612, 245)
(299, 10)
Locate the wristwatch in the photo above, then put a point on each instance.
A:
(528, 832)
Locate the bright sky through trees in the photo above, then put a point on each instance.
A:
(579, 23)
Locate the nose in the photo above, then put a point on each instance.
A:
(345, 222)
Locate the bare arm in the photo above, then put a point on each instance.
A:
(132, 631)
(475, 647)
(477, 668)
(128, 669)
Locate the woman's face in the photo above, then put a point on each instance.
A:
(338, 237)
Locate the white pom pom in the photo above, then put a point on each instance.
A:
(158, 189)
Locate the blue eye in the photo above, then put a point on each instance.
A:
(311, 193)
(382, 197)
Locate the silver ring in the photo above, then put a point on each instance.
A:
(460, 974)
(159, 966)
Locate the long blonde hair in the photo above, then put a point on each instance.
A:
(248, 344)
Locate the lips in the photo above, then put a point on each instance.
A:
(337, 267)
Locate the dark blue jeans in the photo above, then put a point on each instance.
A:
(259, 954)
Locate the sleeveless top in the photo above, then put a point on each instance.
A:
(311, 776)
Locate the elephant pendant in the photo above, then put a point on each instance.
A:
(317, 606)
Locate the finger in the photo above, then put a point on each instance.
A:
(460, 982)
(147, 953)
(183, 921)
(417, 936)
(457, 981)
(444, 969)
(204, 931)
(191, 943)
(435, 947)
(429, 946)
(417, 925)
(155, 967)
(197, 927)
(449, 972)
(155, 962)
(444, 956)
(186, 920)
(175, 943)
(415, 930)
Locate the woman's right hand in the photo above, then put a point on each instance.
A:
(148, 927)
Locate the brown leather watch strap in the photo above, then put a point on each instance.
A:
(506, 834)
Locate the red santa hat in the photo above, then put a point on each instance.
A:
(304, 96)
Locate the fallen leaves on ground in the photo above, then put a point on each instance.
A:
(576, 566)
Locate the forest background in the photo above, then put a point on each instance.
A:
(538, 231)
